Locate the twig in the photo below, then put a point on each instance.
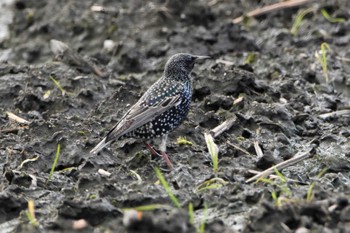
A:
(12, 130)
(27, 161)
(102, 9)
(344, 59)
(138, 177)
(227, 63)
(238, 100)
(285, 227)
(223, 126)
(212, 2)
(335, 114)
(238, 148)
(295, 159)
(258, 150)
(271, 8)
(275, 177)
(17, 118)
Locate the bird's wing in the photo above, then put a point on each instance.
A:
(140, 114)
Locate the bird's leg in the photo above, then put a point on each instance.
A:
(150, 148)
(162, 148)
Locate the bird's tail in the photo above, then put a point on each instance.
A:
(100, 146)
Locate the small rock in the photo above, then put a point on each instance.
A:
(345, 214)
(79, 224)
(109, 45)
(104, 173)
(302, 230)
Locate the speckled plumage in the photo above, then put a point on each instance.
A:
(162, 108)
(171, 118)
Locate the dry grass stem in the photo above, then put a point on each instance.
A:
(238, 148)
(223, 126)
(13, 130)
(295, 159)
(27, 161)
(227, 63)
(335, 114)
(343, 59)
(271, 8)
(238, 100)
(138, 177)
(272, 176)
(258, 150)
(213, 150)
(17, 118)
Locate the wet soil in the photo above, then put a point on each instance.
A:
(284, 94)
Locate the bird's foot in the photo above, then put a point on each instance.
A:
(163, 154)
(167, 160)
(153, 151)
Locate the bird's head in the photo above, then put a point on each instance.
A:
(181, 64)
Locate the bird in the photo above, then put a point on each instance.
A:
(161, 109)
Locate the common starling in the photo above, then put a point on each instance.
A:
(161, 109)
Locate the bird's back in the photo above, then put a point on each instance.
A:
(170, 119)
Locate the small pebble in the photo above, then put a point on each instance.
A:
(79, 224)
(104, 173)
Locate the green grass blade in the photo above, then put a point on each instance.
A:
(274, 196)
(280, 175)
(204, 219)
(299, 18)
(191, 213)
(167, 188)
(213, 186)
(58, 85)
(310, 194)
(323, 171)
(284, 187)
(265, 180)
(323, 59)
(330, 18)
(213, 183)
(55, 161)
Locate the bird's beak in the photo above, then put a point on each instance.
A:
(199, 58)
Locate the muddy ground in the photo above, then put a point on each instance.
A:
(284, 94)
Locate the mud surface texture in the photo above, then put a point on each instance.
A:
(268, 78)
